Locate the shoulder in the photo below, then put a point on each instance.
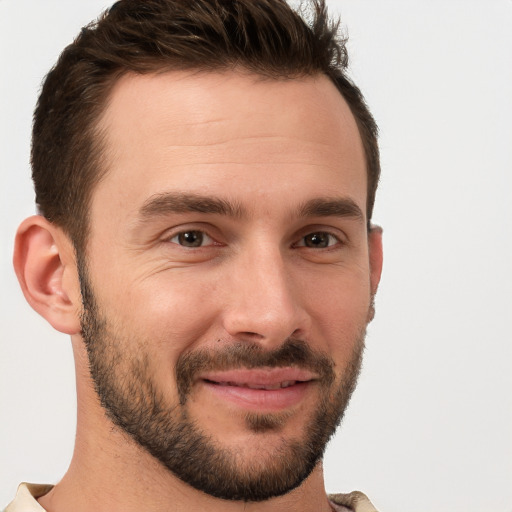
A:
(355, 501)
(25, 500)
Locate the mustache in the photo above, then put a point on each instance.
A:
(250, 355)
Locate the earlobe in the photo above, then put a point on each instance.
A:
(45, 266)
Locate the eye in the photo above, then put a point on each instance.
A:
(318, 240)
(192, 238)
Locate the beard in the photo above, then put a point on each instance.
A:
(133, 401)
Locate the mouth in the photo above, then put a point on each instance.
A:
(262, 390)
(268, 387)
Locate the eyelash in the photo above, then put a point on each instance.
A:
(320, 236)
(330, 238)
(202, 234)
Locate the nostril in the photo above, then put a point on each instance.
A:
(297, 333)
(251, 335)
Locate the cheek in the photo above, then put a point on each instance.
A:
(340, 313)
(172, 310)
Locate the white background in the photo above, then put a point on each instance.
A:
(430, 426)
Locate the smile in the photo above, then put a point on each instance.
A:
(261, 390)
(278, 385)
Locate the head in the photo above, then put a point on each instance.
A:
(214, 172)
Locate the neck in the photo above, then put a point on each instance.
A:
(105, 479)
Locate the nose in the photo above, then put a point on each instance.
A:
(264, 302)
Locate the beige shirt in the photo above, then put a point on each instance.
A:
(25, 500)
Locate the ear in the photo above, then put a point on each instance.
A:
(44, 261)
(376, 256)
(376, 259)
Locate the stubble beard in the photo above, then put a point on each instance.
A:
(134, 403)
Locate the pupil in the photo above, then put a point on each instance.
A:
(317, 240)
(191, 238)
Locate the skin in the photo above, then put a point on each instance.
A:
(238, 138)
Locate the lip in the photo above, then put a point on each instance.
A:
(262, 389)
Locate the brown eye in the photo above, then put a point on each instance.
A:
(191, 238)
(320, 240)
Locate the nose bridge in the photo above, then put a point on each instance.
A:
(264, 299)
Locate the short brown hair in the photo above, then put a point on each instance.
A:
(265, 37)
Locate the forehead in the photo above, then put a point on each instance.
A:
(228, 133)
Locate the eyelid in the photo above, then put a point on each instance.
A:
(173, 233)
(206, 238)
(334, 232)
(301, 242)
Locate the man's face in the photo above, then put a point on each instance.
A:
(226, 284)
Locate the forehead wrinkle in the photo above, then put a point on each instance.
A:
(167, 203)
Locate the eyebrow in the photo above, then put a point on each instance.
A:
(169, 203)
(331, 207)
(175, 202)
